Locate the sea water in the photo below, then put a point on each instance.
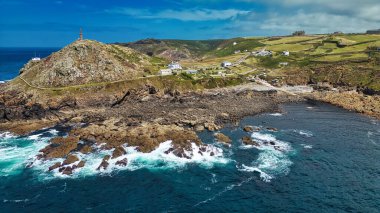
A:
(325, 160)
(13, 59)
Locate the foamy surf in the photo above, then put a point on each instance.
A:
(273, 159)
(276, 114)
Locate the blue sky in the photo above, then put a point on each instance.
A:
(56, 23)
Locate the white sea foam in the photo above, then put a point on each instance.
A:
(304, 133)
(272, 160)
(2, 82)
(157, 159)
(306, 146)
(6, 135)
(16, 153)
(276, 114)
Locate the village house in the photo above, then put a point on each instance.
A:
(286, 53)
(166, 72)
(175, 66)
(283, 63)
(237, 51)
(373, 31)
(226, 64)
(235, 43)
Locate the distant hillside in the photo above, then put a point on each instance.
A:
(84, 62)
(191, 49)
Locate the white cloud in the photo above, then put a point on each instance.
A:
(183, 15)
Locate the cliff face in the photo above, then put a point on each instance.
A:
(86, 61)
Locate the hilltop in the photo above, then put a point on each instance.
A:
(86, 62)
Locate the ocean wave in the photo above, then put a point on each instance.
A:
(306, 146)
(273, 159)
(155, 160)
(6, 135)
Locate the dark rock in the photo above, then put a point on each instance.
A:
(104, 163)
(56, 165)
(272, 129)
(248, 128)
(67, 171)
(123, 162)
(212, 153)
(119, 151)
(272, 143)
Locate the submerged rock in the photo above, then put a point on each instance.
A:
(251, 129)
(222, 138)
(81, 164)
(86, 149)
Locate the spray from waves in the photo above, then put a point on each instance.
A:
(17, 152)
(273, 159)
(370, 137)
(159, 159)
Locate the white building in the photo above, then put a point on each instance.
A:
(226, 64)
(283, 63)
(235, 43)
(175, 66)
(237, 51)
(286, 53)
(166, 72)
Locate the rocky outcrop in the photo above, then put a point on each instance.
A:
(70, 159)
(351, 100)
(83, 62)
(119, 151)
(248, 141)
(59, 147)
(104, 164)
(222, 138)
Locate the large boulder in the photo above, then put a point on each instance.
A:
(248, 141)
(70, 159)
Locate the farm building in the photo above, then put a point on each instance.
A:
(175, 66)
(226, 64)
(166, 72)
(262, 53)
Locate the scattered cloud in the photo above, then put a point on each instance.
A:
(182, 15)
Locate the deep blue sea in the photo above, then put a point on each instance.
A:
(13, 59)
(327, 161)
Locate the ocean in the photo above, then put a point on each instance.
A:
(13, 59)
(326, 160)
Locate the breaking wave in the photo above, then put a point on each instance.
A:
(273, 159)
(16, 153)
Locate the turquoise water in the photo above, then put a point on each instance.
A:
(326, 161)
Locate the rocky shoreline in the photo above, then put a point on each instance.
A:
(141, 117)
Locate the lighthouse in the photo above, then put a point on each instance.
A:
(80, 35)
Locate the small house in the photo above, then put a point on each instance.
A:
(237, 51)
(166, 72)
(283, 63)
(226, 64)
(175, 66)
(235, 43)
(286, 53)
